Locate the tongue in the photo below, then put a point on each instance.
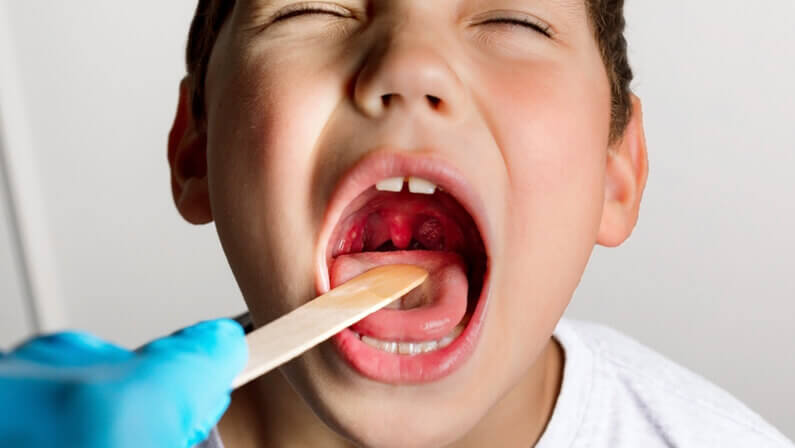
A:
(429, 312)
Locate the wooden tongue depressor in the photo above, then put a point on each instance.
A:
(312, 323)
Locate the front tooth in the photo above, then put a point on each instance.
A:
(409, 348)
(405, 348)
(421, 186)
(394, 184)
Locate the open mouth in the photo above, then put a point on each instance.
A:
(425, 334)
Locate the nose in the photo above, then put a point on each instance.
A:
(402, 73)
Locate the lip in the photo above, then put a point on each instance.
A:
(371, 362)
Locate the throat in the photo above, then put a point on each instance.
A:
(521, 417)
(268, 412)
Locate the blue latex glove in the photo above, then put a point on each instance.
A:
(74, 390)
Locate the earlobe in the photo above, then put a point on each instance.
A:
(187, 158)
(627, 169)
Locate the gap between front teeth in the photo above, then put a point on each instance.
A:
(413, 348)
(394, 184)
(417, 185)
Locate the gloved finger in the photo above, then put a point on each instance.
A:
(195, 368)
(44, 384)
(70, 349)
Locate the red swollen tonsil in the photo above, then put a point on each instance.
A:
(353, 241)
(431, 234)
(357, 239)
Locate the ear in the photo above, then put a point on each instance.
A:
(187, 157)
(626, 173)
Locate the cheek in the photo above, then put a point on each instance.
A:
(281, 112)
(269, 111)
(552, 126)
(263, 125)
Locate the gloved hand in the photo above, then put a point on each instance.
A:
(74, 390)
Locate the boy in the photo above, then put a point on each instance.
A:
(491, 142)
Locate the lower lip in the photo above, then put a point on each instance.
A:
(394, 368)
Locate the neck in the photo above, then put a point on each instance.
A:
(268, 412)
(521, 415)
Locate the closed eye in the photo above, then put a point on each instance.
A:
(315, 8)
(526, 23)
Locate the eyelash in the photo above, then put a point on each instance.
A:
(543, 29)
(308, 9)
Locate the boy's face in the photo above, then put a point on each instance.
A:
(306, 112)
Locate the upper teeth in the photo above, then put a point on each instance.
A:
(422, 186)
(391, 184)
(416, 185)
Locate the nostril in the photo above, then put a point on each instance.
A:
(434, 101)
(388, 100)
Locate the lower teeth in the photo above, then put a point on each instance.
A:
(413, 348)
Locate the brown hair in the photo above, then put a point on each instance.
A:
(607, 19)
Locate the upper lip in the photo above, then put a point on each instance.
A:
(385, 163)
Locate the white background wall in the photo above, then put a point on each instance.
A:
(99, 85)
(707, 279)
(15, 319)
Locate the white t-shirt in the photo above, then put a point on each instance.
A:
(617, 393)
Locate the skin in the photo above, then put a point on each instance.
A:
(291, 105)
